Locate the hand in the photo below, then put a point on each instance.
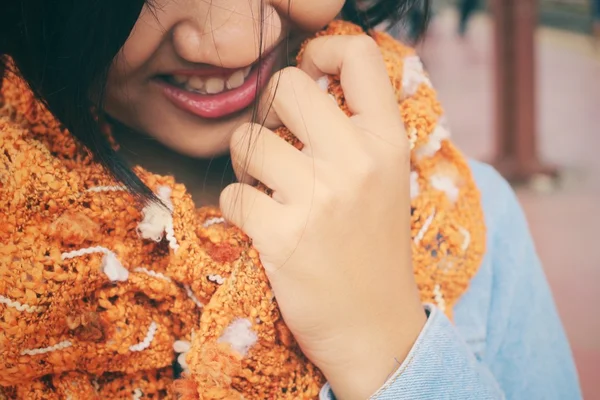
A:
(335, 238)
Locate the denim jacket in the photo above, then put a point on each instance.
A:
(506, 340)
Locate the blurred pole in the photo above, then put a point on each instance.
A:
(515, 86)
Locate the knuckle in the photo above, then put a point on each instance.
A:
(313, 45)
(394, 167)
(327, 197)
(240, 134)
(243, 137)
(295, 77)
(226, 201)
(288, 82)
(399, 155)
(289, 75)
(297, 228)
(365, 168)
(289, 238)
(278, 84)
(364, 45)
(291, 72)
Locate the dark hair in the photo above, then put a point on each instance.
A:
(64, 49)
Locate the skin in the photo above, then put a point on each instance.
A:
(339, 264)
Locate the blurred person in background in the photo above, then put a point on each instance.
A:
(596, 22)
(466, 8)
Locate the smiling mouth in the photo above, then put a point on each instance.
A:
(217, 92)
(215, 84)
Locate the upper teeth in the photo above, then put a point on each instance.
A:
(212, 84)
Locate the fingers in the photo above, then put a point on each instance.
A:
(363, 75)
(251, 210)
(262, 155)
(308, 111)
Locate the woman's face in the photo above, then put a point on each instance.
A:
(187, 75)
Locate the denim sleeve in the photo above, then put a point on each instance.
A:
(439, 366)
(526, 353)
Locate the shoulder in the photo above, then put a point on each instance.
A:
(499, 202)
(509, 258)
(491, 291)
(511, 272)
(511, 255)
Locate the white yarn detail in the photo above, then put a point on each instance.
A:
(412, 137)
(182, 362)
(111, 266)
(164, 193)
(96, 385)
(218, 279)
(323, 83)
(144, 344)
(137, 394)
(434, 142)
(213, 221)
(414, 185)
(467, 240)
(181, 346)
(193, 297)
(239, 335)
(413, 76)
(98, 189)
(84, 252)
(153, 274)
(445, 184)
(20, 306)
(424, 228)
(170, 235)
(443, 122)
(158, 221)
(44, 350)
(439, 297)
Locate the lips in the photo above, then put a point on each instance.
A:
(217, 92)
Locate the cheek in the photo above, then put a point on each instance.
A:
(311, 15)
(128, 74)
(146, 36)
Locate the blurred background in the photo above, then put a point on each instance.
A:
(520, 83)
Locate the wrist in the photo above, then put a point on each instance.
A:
(374, 357)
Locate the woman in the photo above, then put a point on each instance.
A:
(101, 294)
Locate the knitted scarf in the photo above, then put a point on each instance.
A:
(101, 299)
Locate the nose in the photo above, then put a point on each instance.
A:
(226, 34)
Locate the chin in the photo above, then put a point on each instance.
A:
(199, 145)
(207, 139)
